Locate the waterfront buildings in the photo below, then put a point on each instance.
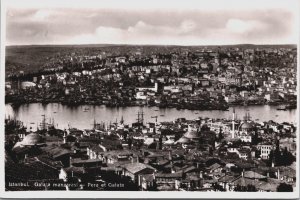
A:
(200, 154)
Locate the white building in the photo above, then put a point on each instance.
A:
(265, 150)
(154, 89)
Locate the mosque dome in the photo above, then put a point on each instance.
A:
(31, 139)
(246, 126)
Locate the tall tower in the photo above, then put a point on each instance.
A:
(95, 124)
(219, 56)
(122, 120)
(65, 136)
(233, 123)
(140, 119)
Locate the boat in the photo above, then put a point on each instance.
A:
(86, 109)
(16, 104)
(291, 106)
(162, 115)
(282, 107)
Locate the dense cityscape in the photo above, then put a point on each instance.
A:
(210, 78)
(201, 154)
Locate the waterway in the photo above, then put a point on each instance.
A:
(82, 117)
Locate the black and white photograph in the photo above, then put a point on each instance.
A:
(160, 98)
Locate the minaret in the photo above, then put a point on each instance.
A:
(233, 123)
(122, 120)
(95, 124)
(65, 136)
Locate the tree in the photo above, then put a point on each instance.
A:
(271, 157)
(286, 158)
(257, 153)
(220, 136)
(218, 187)
(129, 143)
(255, 138)
(283, 187)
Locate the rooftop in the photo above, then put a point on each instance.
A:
(137, 167)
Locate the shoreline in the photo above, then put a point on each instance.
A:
(196, 107)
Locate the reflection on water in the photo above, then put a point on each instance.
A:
(82, 117)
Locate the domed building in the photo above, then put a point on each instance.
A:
(30, 140)
(246, 127)
(198, 139)
(245, 130)
(190, 137)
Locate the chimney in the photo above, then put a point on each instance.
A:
(201, 174)
(198, 165)
(278, 174)
(157, 145)
(71, 162)
(137, 159)
(233, 124)
(243, 172)
(65, 140)
(72, 174)
(170, 155)
(143, 152)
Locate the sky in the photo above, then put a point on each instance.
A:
(165, 22)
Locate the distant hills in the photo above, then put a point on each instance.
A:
(152, 45)
(34, 57)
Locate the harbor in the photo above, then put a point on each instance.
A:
(82, 117)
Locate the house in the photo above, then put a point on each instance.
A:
(248, 179)
(268, 186)
(58, 153)
(70, 172)
(191, 183)
(244, 153)
(286, 174)
(168, 179)
(134, 170)
(94, 152)
(154, 89)
(265, 150)
(147, 181)
(78, 162)
(226, 182)
(215, 168)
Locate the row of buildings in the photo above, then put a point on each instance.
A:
(181, 78)
(192, 155)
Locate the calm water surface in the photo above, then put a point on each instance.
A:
(82, 117)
